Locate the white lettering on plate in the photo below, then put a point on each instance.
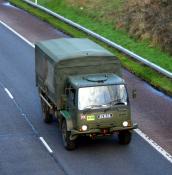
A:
(104, 116)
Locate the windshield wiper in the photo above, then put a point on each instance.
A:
(116, 102)
(93, 106)
(88, 108)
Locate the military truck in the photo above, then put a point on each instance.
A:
(80, 83)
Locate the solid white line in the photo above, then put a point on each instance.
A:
(46, 145)
(16, 33)
(9, 93)
(138, 131)
(154, 145)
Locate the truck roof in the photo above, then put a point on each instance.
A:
(89, 80)
(68, 48)
(57, 59)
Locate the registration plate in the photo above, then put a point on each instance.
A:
(104, 116)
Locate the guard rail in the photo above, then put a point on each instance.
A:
(103, 39)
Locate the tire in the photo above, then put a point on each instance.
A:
(124, 137)
(68, 144)
(48, 118)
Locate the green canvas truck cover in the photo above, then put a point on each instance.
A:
(57, 59)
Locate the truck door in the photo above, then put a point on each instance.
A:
(71, 103)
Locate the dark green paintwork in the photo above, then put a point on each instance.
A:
(56, 60)
(69, 48)
(71, 63)
(79, 81)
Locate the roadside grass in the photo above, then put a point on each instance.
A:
(154, 78)
(93, 21)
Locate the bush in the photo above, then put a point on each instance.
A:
(149, 19)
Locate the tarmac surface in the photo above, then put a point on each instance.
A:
(20, 147)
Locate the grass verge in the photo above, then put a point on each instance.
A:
(94, 19)
(154, 78)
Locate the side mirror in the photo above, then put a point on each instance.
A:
(134, 94)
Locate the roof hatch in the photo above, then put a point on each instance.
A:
(96, 78)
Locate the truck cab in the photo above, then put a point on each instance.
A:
(98, 105)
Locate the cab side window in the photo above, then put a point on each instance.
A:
(72, 94)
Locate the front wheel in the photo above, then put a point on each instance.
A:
(124, 137)
(68, 144)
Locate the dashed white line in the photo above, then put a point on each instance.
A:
(138, 131)
(9, 93)
(16, 33)
(46, 145)
(154, 145)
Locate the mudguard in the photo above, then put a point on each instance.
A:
(65, 114)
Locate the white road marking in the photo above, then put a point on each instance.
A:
(8, 4)
(16, 33)
(46, 145)
(138, 131)
(9, 93)
(154, 145)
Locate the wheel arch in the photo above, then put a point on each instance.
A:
(67, 117)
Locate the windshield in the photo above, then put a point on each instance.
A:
(101, 96)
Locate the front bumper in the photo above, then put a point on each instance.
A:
(98, 131)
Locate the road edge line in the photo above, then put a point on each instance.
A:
(16, 33)
(158, 148)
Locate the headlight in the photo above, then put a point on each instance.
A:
(125, 123)
(84, 127)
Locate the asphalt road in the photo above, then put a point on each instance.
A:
(21, 123)
(152, 110)
(21, 126)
